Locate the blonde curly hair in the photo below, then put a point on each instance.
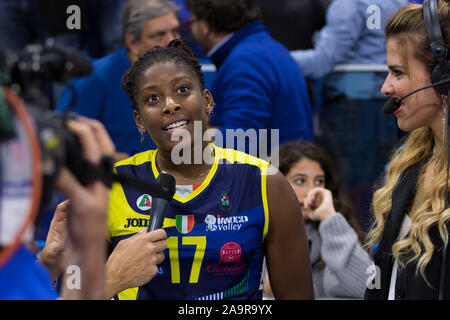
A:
(408, 26)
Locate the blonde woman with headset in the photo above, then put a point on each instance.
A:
(409, 232)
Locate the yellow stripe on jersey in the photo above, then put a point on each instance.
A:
(234, 156)
(264, 199)
(128, 294)
(137, 159)
(118, 211)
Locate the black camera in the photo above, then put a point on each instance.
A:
(27, 72)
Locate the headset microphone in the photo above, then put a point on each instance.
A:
(391, 105)
(394, 103)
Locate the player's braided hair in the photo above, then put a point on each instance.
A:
(176, 51)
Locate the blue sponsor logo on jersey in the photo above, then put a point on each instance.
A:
(218, 223)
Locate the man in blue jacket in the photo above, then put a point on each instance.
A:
(258, 85)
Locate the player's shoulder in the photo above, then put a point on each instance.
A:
(137, 159)
(238, 157)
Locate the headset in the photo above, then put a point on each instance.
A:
(440, 73)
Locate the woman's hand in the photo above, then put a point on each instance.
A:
(318, 205)
(134, 262)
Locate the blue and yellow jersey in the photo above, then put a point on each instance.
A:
(215, 234)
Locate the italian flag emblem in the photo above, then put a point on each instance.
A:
(185, 223)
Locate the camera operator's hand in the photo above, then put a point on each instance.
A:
(54, 256)
(87, 218)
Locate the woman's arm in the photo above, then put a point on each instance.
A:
(286, 244)
(346, 262)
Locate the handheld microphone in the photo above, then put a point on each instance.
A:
(394, 103)
(160, 205)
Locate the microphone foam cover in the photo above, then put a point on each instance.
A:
(391, 105)
(167, 183)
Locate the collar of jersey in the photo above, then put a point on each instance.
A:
(205, 182)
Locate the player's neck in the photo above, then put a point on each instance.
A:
(185, 173)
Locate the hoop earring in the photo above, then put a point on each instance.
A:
(211, 111)
(444, 116)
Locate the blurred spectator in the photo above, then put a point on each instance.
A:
(296, 24)
(26, 21)
(258, 85)
(293, 22)
(146, 23)
(352, 34)
(338, 260)
(352, 126)
(185, 31)
(19, 24)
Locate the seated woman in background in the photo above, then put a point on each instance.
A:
(339, 262)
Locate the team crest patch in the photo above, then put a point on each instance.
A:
(144, 202)
(184, 224)
(225, 203)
